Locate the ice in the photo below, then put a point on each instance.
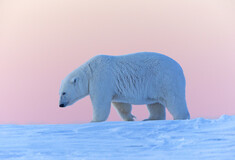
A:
(194, 139)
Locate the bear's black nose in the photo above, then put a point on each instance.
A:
(61, 105)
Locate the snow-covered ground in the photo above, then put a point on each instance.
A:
(158, 140)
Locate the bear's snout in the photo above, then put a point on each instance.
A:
(62, 105)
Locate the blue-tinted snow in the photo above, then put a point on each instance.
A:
(188, 139)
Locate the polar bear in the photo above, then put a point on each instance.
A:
(139, 78)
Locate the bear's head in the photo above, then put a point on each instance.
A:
(73, 88)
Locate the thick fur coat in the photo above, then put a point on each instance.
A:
(140, 78)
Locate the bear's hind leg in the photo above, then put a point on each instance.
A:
(179, 109)
(156, 112)
(124, 110)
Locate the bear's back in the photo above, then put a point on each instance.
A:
(136, 65)
(143, 63)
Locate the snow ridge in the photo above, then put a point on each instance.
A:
(186, 139)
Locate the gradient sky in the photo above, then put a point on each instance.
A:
(41, 41)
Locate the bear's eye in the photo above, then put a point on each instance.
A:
(63, 93)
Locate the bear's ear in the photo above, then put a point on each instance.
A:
(74, 80)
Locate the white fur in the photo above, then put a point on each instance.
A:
(140, 78)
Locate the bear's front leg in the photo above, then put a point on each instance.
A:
(101, 108)
(124, 110)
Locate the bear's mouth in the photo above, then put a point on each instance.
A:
(62, 105)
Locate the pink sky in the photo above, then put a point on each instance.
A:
(42, 41)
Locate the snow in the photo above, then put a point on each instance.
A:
(194, 139)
